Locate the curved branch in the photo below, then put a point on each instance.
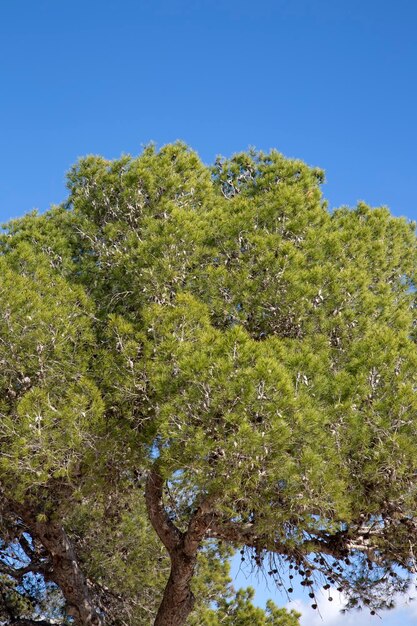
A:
(178, 599)
(166, 530)
(198, 526)
(65, 570)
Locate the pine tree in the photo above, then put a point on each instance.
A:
(249, 354)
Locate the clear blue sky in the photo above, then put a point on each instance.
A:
(333, 82)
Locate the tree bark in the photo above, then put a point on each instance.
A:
(178, 599)
(65, 571)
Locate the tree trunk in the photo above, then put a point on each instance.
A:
(178, 600)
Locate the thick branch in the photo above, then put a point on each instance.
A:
(198, 526)
(166, 530)
(18, 573)
(178, 599)
(65, 571)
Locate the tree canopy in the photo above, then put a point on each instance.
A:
(212, 352)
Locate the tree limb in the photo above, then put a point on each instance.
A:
(178, 599)
(166, 530)
(65, 571)
(18, 573)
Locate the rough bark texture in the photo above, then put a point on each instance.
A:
(65, 571)
(178, 599)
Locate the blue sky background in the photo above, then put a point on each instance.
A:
(333, 82)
